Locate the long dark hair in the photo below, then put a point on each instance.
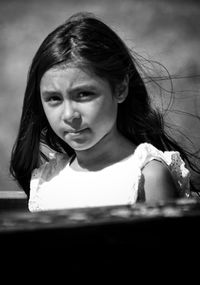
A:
(85, 40)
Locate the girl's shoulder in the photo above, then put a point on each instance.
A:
(48, 169)
(146, 153)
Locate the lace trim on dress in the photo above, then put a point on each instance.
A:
(147, 152)
(44, 173)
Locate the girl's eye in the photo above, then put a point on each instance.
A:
(53, 100)
(86, 95)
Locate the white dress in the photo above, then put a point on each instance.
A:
(55, 185)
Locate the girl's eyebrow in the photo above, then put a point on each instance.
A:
(83, 86)
(78, 88)
(49, 93)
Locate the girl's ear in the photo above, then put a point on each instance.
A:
(122, 90)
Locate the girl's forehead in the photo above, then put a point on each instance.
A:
(81, 70)
(70, 73)
(77, 64)
(71, 76)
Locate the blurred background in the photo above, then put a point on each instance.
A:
(166, 31)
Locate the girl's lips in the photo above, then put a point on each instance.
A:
(76, 132)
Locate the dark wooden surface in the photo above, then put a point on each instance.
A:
(107, 238)
(13, 201)
(148, 226)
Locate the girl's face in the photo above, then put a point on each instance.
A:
(79, 105)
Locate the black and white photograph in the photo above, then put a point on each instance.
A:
(100, 135)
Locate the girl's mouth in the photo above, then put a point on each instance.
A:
(76, 132)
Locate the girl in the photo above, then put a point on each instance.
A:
(87, 102)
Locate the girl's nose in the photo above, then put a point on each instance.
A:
(70, 112)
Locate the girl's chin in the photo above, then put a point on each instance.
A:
(79, 144)
(79, 147)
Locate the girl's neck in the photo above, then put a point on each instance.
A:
(103, 154)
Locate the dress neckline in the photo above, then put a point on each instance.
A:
(107, 168)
